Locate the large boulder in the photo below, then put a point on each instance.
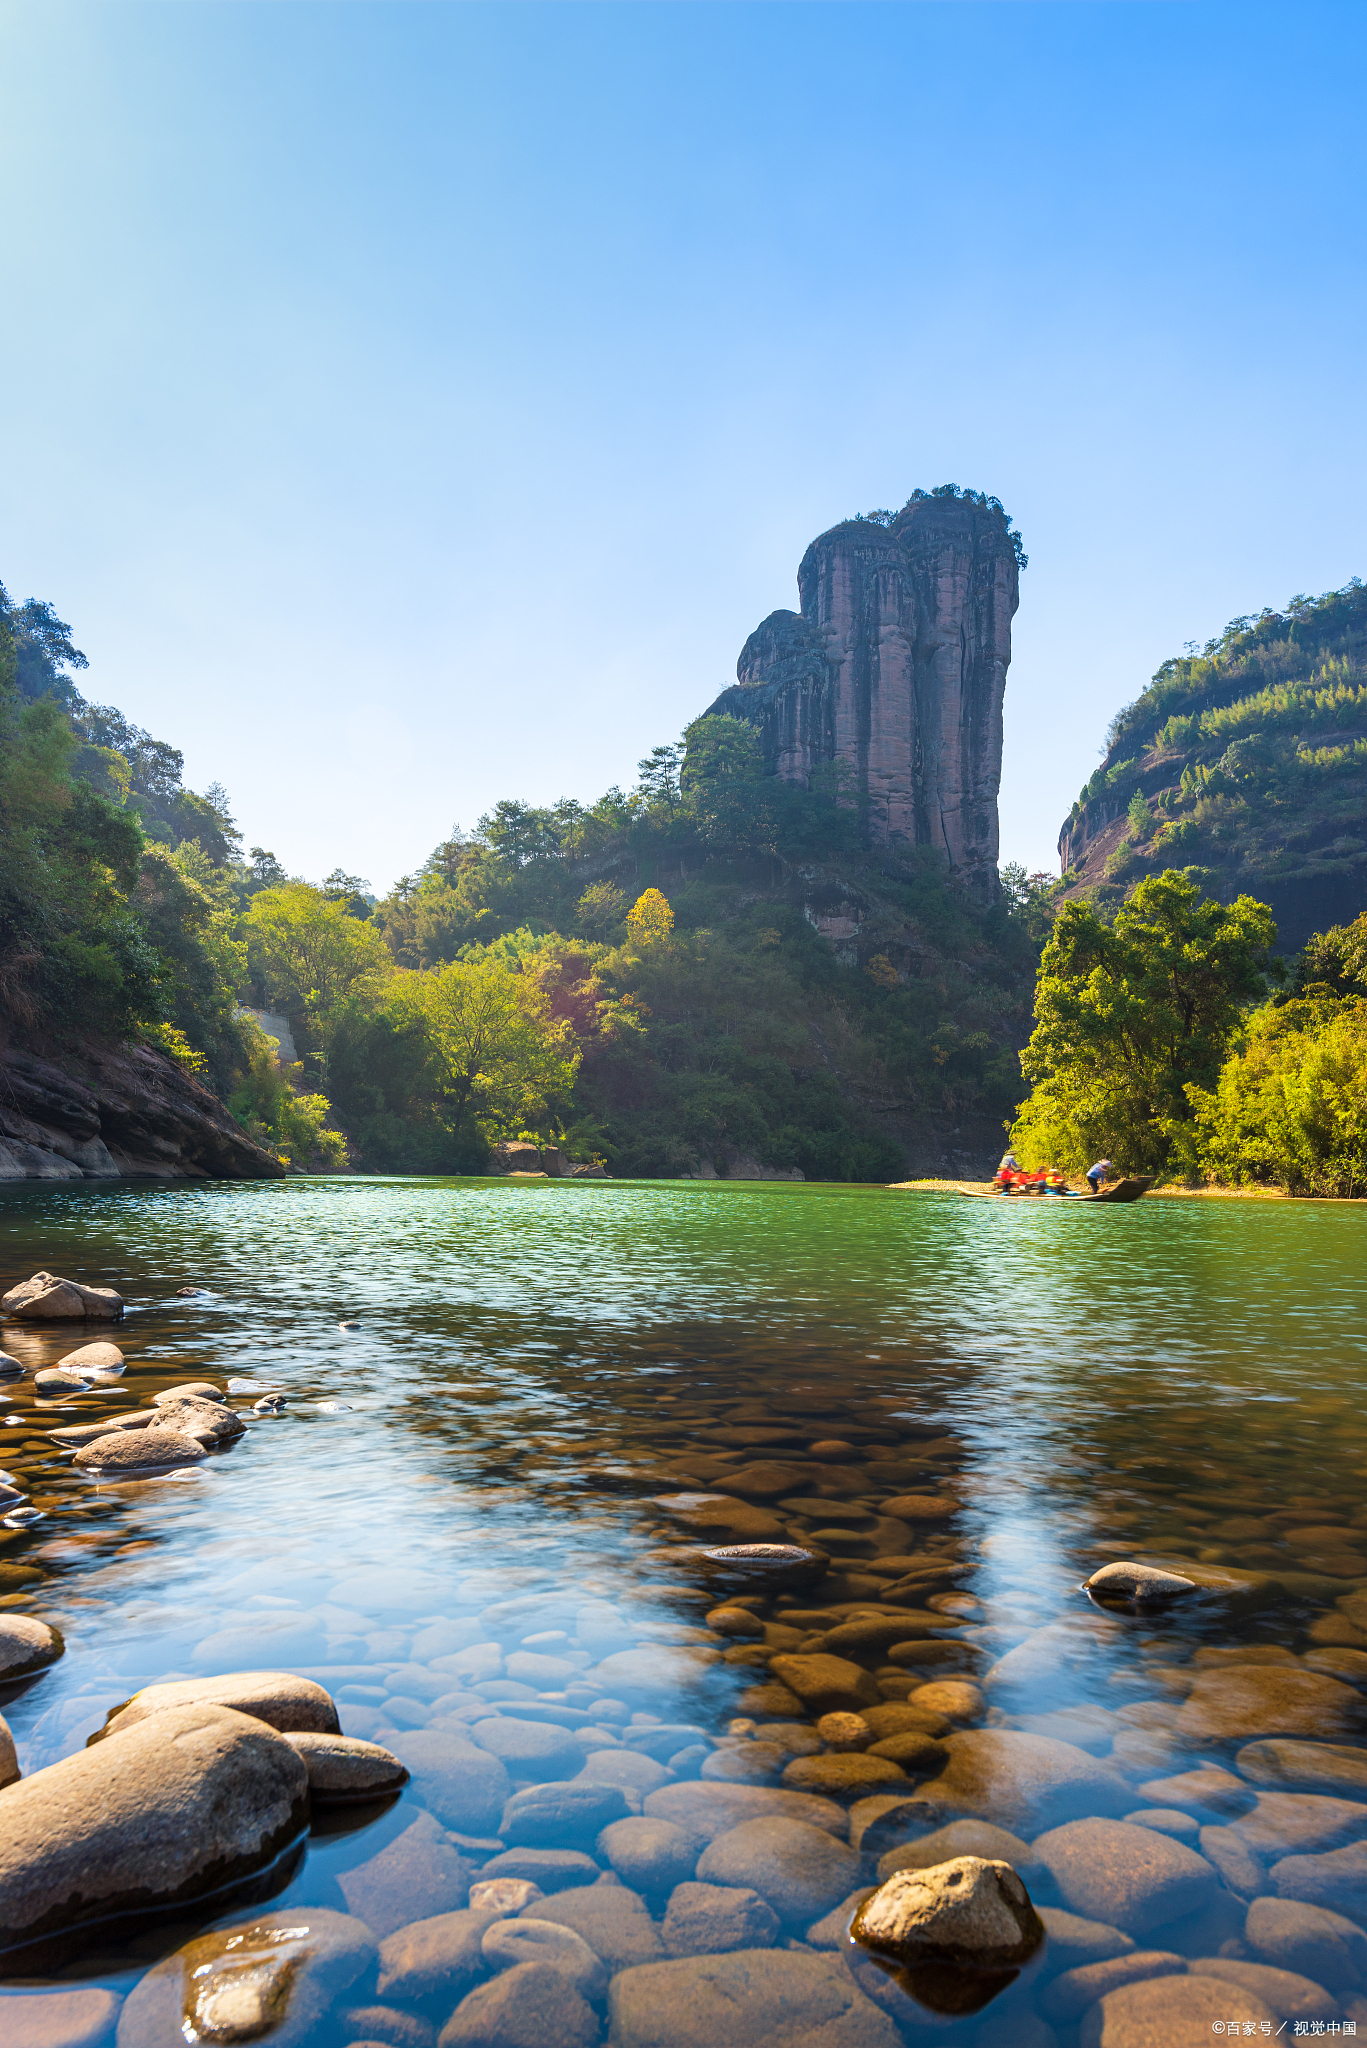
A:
(755, 1998)
(171, 1810)
(279, 1698)
(26, 1645)
(1127, 1877)
(277, 1975)
(1024, 1782)
(970, 1912)
(47, 1299)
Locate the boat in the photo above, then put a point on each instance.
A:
(1128, 1190)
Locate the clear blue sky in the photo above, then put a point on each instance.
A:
(414, 405)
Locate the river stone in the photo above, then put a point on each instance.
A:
(549, 1869)
(139, 1450)
(611, 1918)
(1337, 1880)
(1310, 1766)
(53, 1385)
(1301, 1823)
(744, 1763)
(280, 1699)
(825, 1684)
(920, 1755)
(1129, 1877)
(921, 1507)
(26, 1645)
(663, 1668)
(510, 1942)
(869, 1633)
(435, 1957)
(755, 1998)
(532, 2006)
(705, 1811)
(956, 1699)
(342, 1768)
(842, 1776)
(1070, 1995)
(207, 1421)
(276, 1975)
(1241, 1871)
(961, 1838)
(617, 1765)
(969, 1912)
(505, 1895)
(844, 1731)
(189, 1390)
(384, 2026)
(1248, 1699)
(899, 1717)
(465, 1786)
(10, 1368)
(1308, 1940)
(59, 2019)
(102, 1360)
(734, 1621)
(718, 1516)
(1024, 1782)
(1170, 2012)
(1074, 1941)
(1290, 1997)
(710, 1919)
(802, 1871)
(558, 1814)
(47, 1299)
(9, 1761)
(770, 1700)
(529, 1749)
(1208, 1790)
(411, 1876)
(1138, 1582)
(174, 1809)
(649, 1855)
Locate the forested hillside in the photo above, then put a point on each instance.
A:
(1246, 762)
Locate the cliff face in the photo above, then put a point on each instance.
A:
(114, 1113)
(895, 668)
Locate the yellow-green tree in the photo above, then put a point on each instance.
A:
(650, 918)
(307, 952)
(500, 1055)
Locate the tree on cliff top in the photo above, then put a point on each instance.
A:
(1129, 1016)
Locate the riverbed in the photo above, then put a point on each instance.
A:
(491, 1387)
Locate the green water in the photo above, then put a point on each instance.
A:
(1178, 1378)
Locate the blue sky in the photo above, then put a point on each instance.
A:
(414, 405)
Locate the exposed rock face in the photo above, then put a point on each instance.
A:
(896, 668)
(115, 1112)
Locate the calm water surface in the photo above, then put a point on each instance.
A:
(490, 1383)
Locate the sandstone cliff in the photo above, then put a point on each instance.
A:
(895, 669)
(116, 1112)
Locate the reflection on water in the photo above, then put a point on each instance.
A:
(514, 1413)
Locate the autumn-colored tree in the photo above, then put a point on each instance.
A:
(650, 918)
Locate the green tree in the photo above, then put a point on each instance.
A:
(1140, 817)
(1290, 1108)
(500, 1054)
(307, 953)
(600, 909)
(1129, 1016)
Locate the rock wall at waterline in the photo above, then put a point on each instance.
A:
(896, 668)
(114, 1112)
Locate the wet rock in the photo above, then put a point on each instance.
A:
(1247, 1700)
(52, 1385)
(529, 1749)
(413, 1875)
(1307, 1766)
(961, 1838)
(1074, 1941)
(276, 1975)
(206, 1421)
(171, 1810)
(504, 1895)
(139, 1450)
(744, 1763)
(1170, 2012)
(718, 1516)
(551, 1870)
(957, 1699)
(464, 1786)
(1166, 1820)
(649, 1855)
(705, 1811)
(531, 2006)
(735, 1621)
(969, 1911)
(1308, 1940)
(1138, 1583)
(59, 2019)
(826, 1684)
(26, 1645)
(279, 1698)
(832, 1929)
(436, 1957)
(1291, 1823)
(530, 1667)
(1337, 1880)
(662, 1669)
(511, 1942)
(769, 1700)
(898, 1717)
(271, 1404)
(750, 1999)
(9, 1761)
(843, 1776)
(845, 1731)
(867, 1635)
(612, 1919)
(1128, 1877)
(1071, 1994)
(1209, 1790)
(190, 1390)
(801, 1870)
(921, 1507)
(1290, 1997)
(47, 1299)
(1024, 1782)
(1240, 1869)
(625, 1767)
(364, 2025)
(342, 1769)
(93, 1361)
(766, 1479)
(921, 1756)
(708, 1919)
(561, 1814)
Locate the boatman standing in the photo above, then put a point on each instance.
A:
(1097, 1174)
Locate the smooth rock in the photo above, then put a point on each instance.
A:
(706, 1811)
(102, 1360)
(529, 1749)
(961, 1838)
(1074, 1941)
(744, 1763)
(629, 1768)
(52, 1385)
(58, 2019)
(920, 1755)
(342, 1769)
(957, 1699)
(1024, 1782)
(833, 1928)
(1170, 2012)
(921, 1507)
(867, 1634)
(1138, 1582)
(845, 1731)
(26, 1645)
(801, 1870)
(531, 2006)
(209, 1422)
(139, 1450)
(283, 1701)
(649, 1855)
(169, 1811)
(560, 1814)
(970, 1912)
(383, 2026)
(1247, 1700)
(189, 1390)
(47, 1299)
(1071, 1994)
(734, 1621)
(9, 1761)
(710, 1919)
(1300, 1823)
(825, 1684)
(551, 1870)
(1208, 1790)
(612, 1919)
(436, 1957)
(417, 1872)
(1337, 1880)
(1290, 1997)
(529, 1667)
(1311, 1941)
(1166, 1820)
(510, 1942)
(662, 1669)
(1128, 1877)
(505, 1895)
(755, 1998)
(901, 1717)
(1230, 1855)
(843, 1776)
(1307, 1766)
(275, 1975)
(721, 1517)
(466, 1787)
